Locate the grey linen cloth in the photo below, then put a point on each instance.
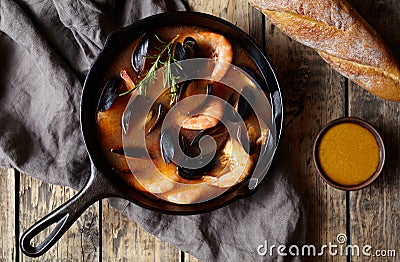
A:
(46, 49)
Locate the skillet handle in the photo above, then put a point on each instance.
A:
(96, 188)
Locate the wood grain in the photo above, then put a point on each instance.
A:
(7, 215)
(79, 243)
(314, 94)
(124, 240)
(375, 211)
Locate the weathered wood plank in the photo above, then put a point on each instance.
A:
(7, 215)
(314, 94)
(236, 12)
(124, 240)
(188, 258)
(375, 211)
(79, 243)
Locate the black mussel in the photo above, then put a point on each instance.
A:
(171, 146)
(243, 139)
(109, 94)
(219, 134)
(179, 52)
(208, 93)
(253, 75)
(139, 55)
(195, 173)
(168, 146)
(243, 106)
(126, 116)
(156, 115)
(187, 50)
(130, 151)
(191, 47)
(197, 137)
(209, 89)
(181, 89)
(219, 139)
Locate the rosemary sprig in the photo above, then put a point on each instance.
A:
(169, 79)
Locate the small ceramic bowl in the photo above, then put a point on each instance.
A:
(361, 123)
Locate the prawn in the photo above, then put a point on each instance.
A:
(218, 48)
(236, 164)
(212, 111)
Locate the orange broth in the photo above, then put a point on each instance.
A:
(348, 154)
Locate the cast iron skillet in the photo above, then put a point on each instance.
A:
(102, 183)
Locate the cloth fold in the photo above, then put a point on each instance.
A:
(46, 49)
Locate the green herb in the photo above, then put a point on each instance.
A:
(169, 79)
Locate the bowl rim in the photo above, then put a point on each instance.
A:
(370, 128)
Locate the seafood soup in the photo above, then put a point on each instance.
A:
(145, 142)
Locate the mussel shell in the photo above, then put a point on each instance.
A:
(187, 50)
(156, 117)
(208, 93)
(126, 116)
(197, 137)
(138, 59)
(243, 139)
(109, 94)
(243, 106)
(188, 173)
(255, 77)
(191, 48)
(167, 146)
(179, 52)
(192, 149)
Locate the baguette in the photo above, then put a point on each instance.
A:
(341, 37)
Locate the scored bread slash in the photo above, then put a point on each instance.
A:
(342, 38)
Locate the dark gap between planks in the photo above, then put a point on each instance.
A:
(16, 213)
(346, 114)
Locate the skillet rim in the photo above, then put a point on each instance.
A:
(125, 35)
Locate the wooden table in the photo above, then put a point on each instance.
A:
(314, 94)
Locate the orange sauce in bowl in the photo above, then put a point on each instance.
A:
(348, 154)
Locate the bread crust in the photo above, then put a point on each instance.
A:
(341, 37)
